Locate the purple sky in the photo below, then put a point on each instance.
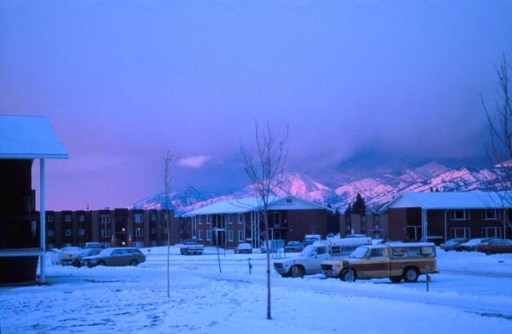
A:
(124, 81)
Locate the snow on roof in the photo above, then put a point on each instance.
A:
(29, 137)
(451, 200)
(243, 205)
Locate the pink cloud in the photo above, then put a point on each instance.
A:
(193, 162)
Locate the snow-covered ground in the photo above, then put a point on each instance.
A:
(471, 294)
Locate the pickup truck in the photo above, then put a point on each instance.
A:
(191, 247)
(309, 261)
(395, 261)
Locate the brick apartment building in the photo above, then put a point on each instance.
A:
(230, 222)
(112, 227)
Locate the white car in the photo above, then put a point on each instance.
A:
(65, 255)
(243, 248)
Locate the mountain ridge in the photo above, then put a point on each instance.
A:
(376, 191)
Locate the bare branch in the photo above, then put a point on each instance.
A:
(263, 167)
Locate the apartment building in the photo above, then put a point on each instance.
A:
(112, 227)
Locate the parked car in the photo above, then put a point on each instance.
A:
(397, 261)
(243, 248)
(92, 244)
(65, 255)
(453, 244)
(472, 243)
(294, 247)
(309, 239)
(191, 247)
(496, 246)
(309, 261)
(116, 256)
(78, 261)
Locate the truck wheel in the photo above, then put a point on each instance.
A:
(134, 263)
(410, 275)
(348, 275)
(297, 271)
(395, 279)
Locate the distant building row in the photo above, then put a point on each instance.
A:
(409, 217)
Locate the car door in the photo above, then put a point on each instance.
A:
(315, 259)
(375, 265)
(117, 257)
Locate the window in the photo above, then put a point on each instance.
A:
(427, 251)
(139, 232)
(199, 235)
(491, 232)
(275, 219)
(398, 251)
(240, 236)
(67, 232)
(81, 232)
(377, 252)
(230, 235)
(461, 232)
(137, 218)
(208, 219)
(228, 219)
(49, 233)
(209, 235)
(459, 215)
(104, 219)
(81, 218)
(105, 232)
(240, 219)
(67, 218)
(491, 214)
(50, 219)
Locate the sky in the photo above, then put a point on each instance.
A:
(122, 82)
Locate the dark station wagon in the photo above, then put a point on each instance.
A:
(117, 256)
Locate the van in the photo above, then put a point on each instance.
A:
(395, 261)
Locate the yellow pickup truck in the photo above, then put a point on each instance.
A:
(395, 261)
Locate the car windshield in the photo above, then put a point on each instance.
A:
(307, 251)
(359, 253)
(105, 252)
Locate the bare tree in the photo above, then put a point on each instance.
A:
(500, 122)
(166, 163)
(500, 146)
(263, 167)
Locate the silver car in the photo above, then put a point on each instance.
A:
(120, 256)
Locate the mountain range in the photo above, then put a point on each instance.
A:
(376, 190)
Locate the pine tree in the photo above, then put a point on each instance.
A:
(359, 205)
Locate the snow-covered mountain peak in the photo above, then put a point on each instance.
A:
(376, 191)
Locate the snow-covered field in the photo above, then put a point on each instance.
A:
(471, 294)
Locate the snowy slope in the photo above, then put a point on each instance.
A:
(376, 191)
